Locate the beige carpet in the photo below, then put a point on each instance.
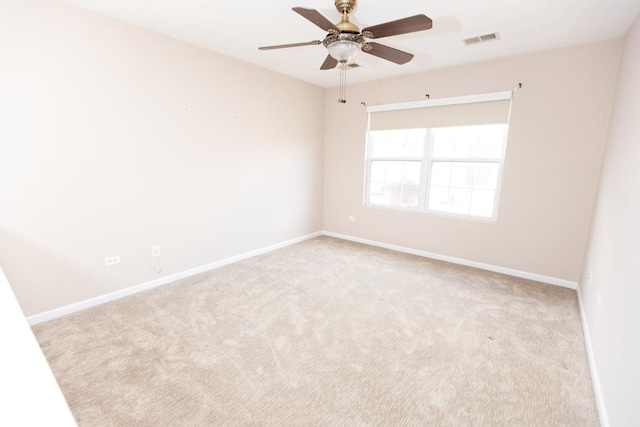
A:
(331, 333)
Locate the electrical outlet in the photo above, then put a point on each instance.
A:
(112, 260)
(155, 251)
(352, 218)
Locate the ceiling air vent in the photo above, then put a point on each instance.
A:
(481, 39)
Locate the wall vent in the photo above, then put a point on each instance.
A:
(481, 39)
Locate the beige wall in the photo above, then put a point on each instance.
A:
(114, 138)
(614, 250)
(556, 139)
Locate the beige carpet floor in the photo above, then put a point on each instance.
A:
(330, 333)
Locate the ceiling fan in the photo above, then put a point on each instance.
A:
(345, 40)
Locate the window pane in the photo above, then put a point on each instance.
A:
(378, 171)
(482, 203)
(440, 174)
(439, 199)
(468, 142)
(491, 141)
(396, 183)
(415, 147)
(463, 188)
(401, 143)
(444, 140)
(379, 143)
(412, 171)
(459, 201)
(409, 195)
(462, 174)
(394, 172)
(486, 175)
(376, 193)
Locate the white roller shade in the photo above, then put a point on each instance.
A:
(440, 114)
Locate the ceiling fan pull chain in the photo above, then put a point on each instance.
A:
(343, 83)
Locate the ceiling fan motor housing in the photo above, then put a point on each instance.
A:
(345, 5)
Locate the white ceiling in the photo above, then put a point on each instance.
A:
(238, 28)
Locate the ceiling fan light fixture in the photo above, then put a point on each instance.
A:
(344, 50)
(344, 47)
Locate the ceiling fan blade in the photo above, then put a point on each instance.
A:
(401, 26)
(317, 18)
(283, 46)
(329, 63)
(389, 53)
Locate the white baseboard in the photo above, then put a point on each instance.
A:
(496, 269)
(82, 305)
(92, 302)
(602, 410)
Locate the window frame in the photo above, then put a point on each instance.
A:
(424, 187)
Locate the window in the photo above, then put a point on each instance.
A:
(450, 165)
